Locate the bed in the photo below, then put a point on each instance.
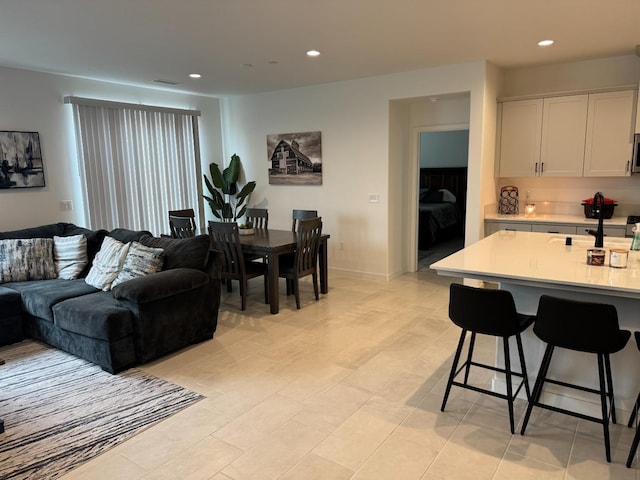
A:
(441, 207)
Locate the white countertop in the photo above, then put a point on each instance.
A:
(549, 218)
(537, 259)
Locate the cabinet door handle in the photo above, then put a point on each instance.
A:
(627, 167)
(542, 167)
(536, 168)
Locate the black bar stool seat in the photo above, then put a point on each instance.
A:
(583, 327)
(487, 312)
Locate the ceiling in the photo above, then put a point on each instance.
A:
(250, 46)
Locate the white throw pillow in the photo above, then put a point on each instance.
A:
(26, 259)
(141, 260)
(70, 254)
(107, 263)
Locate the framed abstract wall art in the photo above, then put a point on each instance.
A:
(295, 158)
(20, 160)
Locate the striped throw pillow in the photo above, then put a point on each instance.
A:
(141, 260)
(107, 264)
(70, 255)
(26, 259)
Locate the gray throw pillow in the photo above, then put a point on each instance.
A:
(140, 261)
(26, 259)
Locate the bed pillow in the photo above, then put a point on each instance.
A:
(70, 256)
(107, 264)
(432, 196)
(140, 261)
(447, 196)
(22, 260)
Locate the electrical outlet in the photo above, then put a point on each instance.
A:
(374, 198)
(66, 205)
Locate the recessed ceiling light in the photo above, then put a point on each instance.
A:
(313, 53)
(545, 43)
(195, 75)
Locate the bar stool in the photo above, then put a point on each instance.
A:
(583, 327)
(634, 413)
(487, 312)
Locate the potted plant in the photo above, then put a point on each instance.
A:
(226, 200)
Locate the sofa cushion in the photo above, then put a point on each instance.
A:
(70, 255)
(181, 252)
(125, 236)
(44, 231)
(140, 261)
(39, 297)
(10, 303)
(107, 263)
(96, 316)
(26, 259)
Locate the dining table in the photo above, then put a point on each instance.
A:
(270, 244)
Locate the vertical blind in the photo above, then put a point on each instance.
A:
(136, 162)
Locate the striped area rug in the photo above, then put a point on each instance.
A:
(60, 411)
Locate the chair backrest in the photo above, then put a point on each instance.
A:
(307, 244)
(302, 215)
(187, 212)
(258, 216)
(577, 325)
(182, 227)
(483, 310)
(226, 238)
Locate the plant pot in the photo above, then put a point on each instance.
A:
(246, 231)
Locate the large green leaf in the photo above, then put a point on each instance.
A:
(246, 191)
(216, 175)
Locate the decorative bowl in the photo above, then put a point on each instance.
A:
(246, 231)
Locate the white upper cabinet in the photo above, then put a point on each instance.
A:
(610, 130)
(520, 137)
(573, 135)
(564, 123)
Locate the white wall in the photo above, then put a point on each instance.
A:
(32, 101)
(354, 118)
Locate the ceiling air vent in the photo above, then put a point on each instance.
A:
(167, 82)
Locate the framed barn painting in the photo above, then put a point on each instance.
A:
(20, 160)
(295, 158)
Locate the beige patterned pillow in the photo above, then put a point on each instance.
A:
(70, 254)
(141, 260)
(107, 264)
(26, 259)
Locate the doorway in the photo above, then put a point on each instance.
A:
(442, 159)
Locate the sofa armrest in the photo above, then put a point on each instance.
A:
(168, 283)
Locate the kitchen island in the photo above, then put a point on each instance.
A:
(533, 264)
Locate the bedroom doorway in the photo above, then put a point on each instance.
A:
(442, 158)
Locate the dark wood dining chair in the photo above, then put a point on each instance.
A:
(179, 227)
(259, 217)
(226, 238)
(298, 215)
(182, 227)
(305, 260)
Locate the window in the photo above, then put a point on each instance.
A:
(136, 162)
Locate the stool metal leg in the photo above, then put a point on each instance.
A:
(537, 388)
(634, 411)
(612, 401)
(523, 366)
(454, 367)
(603, 405)
(472, 344)
(634, 448)
(507, 371)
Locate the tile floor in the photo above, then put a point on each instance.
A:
(348, 388)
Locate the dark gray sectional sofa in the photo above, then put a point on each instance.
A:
(137, 321)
